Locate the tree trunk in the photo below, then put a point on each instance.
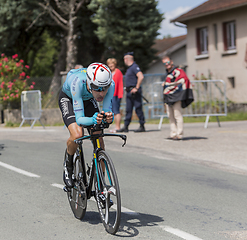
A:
(71, 39)
(55, 86)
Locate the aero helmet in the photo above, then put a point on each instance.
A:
(99, 77)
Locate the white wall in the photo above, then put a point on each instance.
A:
(221, 67)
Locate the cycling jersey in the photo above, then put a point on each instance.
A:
(75, 87)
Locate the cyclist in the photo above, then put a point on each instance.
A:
(78, 102)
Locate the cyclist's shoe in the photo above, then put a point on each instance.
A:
(68, 170)
(123, 129)
(102, 200)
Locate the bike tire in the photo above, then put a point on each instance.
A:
(77, 196)
(108, 186)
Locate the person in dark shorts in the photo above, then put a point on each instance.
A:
(78, 102)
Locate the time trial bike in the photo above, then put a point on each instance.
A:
(98, 180)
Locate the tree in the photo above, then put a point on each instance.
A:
(64, 13)
(46, 56)
(130, 25)
(16, 16)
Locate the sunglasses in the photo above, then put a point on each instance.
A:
(166, 63)
(99, 89)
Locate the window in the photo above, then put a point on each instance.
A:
(232, 81)
(202, 40)
(229, 35)
(215, 37)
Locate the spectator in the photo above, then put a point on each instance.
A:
(133, 80)
(118, 94)
(77, 66)
(177, 95)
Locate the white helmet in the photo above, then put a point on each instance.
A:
(99, 77)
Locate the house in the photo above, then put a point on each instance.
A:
(217, 44)
(174, 47)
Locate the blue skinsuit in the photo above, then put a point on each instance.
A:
(75, 87)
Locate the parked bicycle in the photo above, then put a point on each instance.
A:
(98, 180)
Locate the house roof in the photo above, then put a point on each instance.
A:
(210, 7)
(163, 45)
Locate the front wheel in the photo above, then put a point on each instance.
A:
(107, 193)
(77, 196)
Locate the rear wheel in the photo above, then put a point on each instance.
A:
(107, 193)
(77, 196)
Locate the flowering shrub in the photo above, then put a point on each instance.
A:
(13, 80)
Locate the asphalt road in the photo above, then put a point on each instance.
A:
(164, 197)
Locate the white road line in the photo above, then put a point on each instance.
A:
(57, 185)
(123, 209)
(18, 170)
(179, 233)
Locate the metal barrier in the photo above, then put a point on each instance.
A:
(209, 100)
(31, 106)
(148, 81)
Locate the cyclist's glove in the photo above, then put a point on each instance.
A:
(104, 120)
(95, 118)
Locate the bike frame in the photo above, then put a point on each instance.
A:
(96, 148)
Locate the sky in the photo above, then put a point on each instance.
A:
(171, 10)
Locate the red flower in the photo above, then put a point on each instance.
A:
(15, 56)
(6, 59)
(2, 55)
(21, 61)
(26, 66)
(33, 83)
(22, 74)
(6, 66)
(27, 77)
(17, 64)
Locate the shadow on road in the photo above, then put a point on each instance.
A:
(1, 147)
(130, 223)
(193, 138)
(187, 138)
(150, 130)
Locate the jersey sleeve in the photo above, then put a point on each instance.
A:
(78, 105)
(107, 102)
(136, 69)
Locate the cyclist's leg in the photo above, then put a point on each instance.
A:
(66, 107)
(75, 132)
